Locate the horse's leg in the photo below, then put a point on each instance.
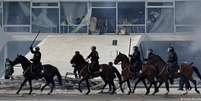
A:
(167, 87)
(47, 83)
(30, 84)
(104, 86)
(120, 84)
(114, 88)
(148, 89)
(139, 79)
(25, 80)
(79, 73)
(160, 83)
(75, 72)
(129, 86)
(145, 85)
(79, 88)
(52, 87)
(110, 86)
(155, 87)
(88, 86)
(195, 85)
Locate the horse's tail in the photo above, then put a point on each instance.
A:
(195, 69)
(59, 76)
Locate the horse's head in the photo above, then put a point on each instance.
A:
(120, 57)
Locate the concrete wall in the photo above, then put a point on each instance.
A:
(59, 49)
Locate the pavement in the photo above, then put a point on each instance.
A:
(95, 95)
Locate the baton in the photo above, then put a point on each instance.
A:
(142, 51)
(129, 46)
(35, 38)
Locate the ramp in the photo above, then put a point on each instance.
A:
(59, 49)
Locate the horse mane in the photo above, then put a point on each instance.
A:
(127, 59)
(158, 57)
(23, 57)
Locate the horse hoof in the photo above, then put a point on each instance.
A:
(166, 93)
(87, 93)
(122, 90)
(129, 93)
(153, 93)
(111, 93)
(198, 91)
(147, 93)
(80, 90)
(185, 93)
(17, 93)
(48, 93)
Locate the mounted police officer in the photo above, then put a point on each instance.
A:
(76, 66)
(150, 54)
(93, 56)
(36, 65)
(135, 61)
(172, 63)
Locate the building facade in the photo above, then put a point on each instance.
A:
(111, 16)
(21, 19)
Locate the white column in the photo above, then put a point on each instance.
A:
(5, 56)
(146, 16)
(59, 17)
(117, 17)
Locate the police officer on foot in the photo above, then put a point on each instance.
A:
(78, 64)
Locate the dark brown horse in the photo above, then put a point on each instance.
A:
(184, 70)
(126, 69)
(147, 72)
(104, 71)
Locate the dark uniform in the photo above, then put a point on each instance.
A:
(36, 66)
(135, 61)
(113, 70)
(93, 56)
(76, 66)
(172, 63)
(150, 55)
(173, 68)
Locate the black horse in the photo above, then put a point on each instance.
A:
(49, 72)
(104, 71)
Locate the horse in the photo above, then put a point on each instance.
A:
(163, 73)
(104, 71)
(49, 72)
(147, 72)
(126, 69)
